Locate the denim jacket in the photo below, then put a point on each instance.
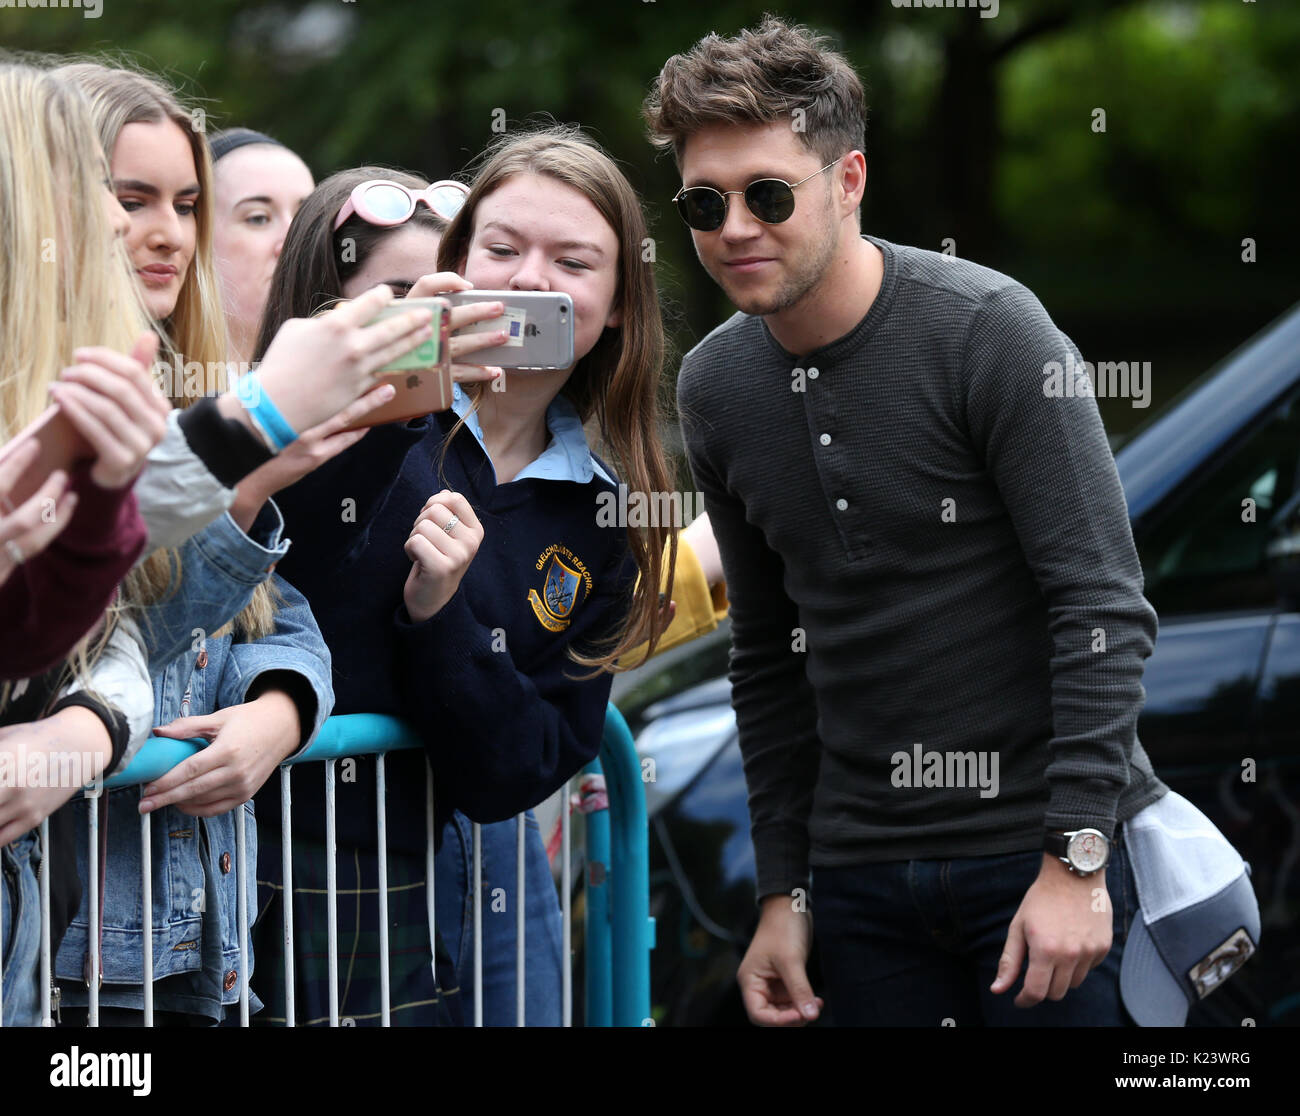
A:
(195, 897)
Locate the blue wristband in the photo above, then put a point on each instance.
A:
(265, 413)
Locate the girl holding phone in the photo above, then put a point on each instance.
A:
(495, 605)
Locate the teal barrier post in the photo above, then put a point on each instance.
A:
(598, 990)
(633, 929)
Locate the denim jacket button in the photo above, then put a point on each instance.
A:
(232, 978)
(225, 864)
(202, 660)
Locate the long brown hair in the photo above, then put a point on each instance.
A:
(619, 382)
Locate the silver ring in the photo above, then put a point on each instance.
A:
(450, 525)
(15, 552)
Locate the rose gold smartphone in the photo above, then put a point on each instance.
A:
(422, 377)
(61, 447)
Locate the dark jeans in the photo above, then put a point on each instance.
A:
(911, 943)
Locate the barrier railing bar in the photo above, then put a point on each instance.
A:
(331, 895)
(598, 1004)
(146, 902)
(92, 906)
(566, 891)
(478, 925)
(382, 834)
(631, 925)
(241, 882)
(521, 901)
(429, 835)
(286, 874)
(47, 952)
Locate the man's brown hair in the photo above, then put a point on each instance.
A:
(775, 72)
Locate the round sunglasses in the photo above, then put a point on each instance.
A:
(385, 203)
(771, 200)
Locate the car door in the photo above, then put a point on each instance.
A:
(1223, 684)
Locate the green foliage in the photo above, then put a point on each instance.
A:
(1127, 236)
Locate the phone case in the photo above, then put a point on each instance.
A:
(422, 378)
(540, 325)
(62, 447)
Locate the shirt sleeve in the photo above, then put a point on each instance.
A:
(770, 692)
(220, 566)
(1048, 455)
(501, 740)
(295, 648)
(55, 597)
(119, 680)
(178, 493)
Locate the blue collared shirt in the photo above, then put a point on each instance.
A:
(566, 457)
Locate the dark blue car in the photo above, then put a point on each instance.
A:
(1213, 489)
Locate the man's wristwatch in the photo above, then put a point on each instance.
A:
(1082, 851)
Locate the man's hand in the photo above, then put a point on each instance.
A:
(249, 742)
(773, 978)
(1065, 930)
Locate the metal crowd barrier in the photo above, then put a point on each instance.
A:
(618, 932)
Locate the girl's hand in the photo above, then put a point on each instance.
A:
(248, 742)
(27, 528)
(74, 735)
(313, 448)
(315, 367)
(429, 286)
(441, 558)
(115, 405)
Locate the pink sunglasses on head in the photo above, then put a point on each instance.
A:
(386, 203)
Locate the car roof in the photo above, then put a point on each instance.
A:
(1196, 426)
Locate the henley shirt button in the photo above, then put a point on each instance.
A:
(813, 373)
(841, 504)
(825, 440)
(225, 864)
(232, 978)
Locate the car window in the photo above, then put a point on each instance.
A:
(1205, 554)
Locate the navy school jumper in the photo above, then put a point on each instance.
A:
(487, 681)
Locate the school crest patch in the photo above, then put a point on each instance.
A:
(566, 583)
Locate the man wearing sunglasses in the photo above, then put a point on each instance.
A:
(937, 616)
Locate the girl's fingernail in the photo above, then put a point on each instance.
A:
(146, 805)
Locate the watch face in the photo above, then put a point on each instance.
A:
(1088, 850)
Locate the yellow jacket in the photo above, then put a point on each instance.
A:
(699, 608)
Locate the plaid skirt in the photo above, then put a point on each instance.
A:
(416, 999)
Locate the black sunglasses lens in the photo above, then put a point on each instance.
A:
(702, 208)
(770, 200)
